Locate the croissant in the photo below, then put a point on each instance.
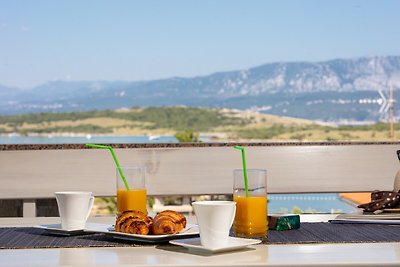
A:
(134, 222)
(168, 222)
(136, 226)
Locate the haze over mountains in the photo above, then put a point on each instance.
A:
(340, 90)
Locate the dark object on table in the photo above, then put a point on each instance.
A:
(283, 222)
(381, 200)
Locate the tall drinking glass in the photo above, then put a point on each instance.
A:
(251, 210)
(134, 198)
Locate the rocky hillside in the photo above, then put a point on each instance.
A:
(335, 90)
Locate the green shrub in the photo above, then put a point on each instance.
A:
(187, 136)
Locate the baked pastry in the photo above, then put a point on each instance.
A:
(133, 222)
(164, 223)
(168, 222)
(136, 226)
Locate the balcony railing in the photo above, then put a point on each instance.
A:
(35, 172)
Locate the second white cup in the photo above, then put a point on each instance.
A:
(215, 219)
(74, 208)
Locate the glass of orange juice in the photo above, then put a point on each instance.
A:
(134, 198)
(251, 210)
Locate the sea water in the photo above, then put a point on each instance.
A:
(17, 139)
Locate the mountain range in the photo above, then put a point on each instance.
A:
(339, 90)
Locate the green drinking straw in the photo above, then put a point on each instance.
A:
(246, 185)
(115, 160)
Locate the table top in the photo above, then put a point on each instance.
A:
(347, 254)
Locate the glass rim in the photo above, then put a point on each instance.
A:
(132, 167)
(251, 169)
(213, 203)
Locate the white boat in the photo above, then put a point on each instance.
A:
(153, 137)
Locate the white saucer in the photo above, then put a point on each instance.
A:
(234, 243)
(57, 230)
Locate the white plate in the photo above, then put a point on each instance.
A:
(360, 221)
(234, 243)
(191, 230)
(380, 216)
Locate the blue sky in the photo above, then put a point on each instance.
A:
(42, 41)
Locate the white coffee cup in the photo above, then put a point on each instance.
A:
(215, 219)
(74, 208)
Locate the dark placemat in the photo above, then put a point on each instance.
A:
(29, 237)
(335, 233)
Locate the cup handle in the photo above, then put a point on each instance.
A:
(91, 202)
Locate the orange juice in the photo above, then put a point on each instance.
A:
(134, 199)
(251, 216)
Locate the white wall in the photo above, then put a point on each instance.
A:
(200, 170)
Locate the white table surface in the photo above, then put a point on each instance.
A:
(361, 254)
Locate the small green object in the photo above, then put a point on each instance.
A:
(246, 185)
(283, 222)
(115, 160)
